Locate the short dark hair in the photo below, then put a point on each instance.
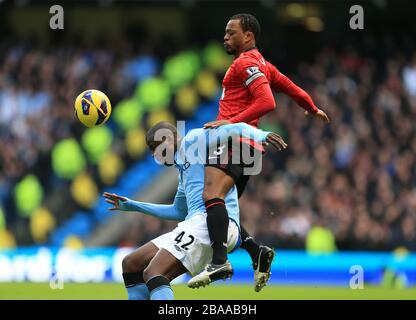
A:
(248, 23)
(151, 133)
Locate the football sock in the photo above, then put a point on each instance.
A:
(248, 244)
(217, 221)
(159, 288)
(135, 286)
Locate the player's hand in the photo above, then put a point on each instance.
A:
(216, 124)
(276, 141)
(113, 199)
(320, 114)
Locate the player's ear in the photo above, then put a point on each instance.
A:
(249, 36)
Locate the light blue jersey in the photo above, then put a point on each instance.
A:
(191, 178)
(190, 162)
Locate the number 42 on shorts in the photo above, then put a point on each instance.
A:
(185, 242)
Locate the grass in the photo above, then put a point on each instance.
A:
(115, 291)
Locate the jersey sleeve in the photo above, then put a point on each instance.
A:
(223, 133)
(180, 201)
(250, 72)
(280, 83)
(176, 211)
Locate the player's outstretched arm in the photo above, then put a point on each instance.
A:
(173, 211)
(236, 130)
(281, 83)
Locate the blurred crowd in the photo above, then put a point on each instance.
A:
(356, 176)
(37, 93)
(38, 87)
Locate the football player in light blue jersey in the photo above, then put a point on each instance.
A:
(147, 271)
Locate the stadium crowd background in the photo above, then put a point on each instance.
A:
(352, 182)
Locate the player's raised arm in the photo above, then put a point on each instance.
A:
(283, 84)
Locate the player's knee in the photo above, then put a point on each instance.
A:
(208, 195)
(148, 273)
(127, 264)
(212, 191)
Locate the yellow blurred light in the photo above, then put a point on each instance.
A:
(314, 24)
(2, 219)
(73, 242)
(110, 167)
(41, 223)
(187, 100)
(7, 240)
(158, 116)
(136, 142)
(296, 10)
(207, 84)
(84, 190)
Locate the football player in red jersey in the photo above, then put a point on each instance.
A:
(247, 95)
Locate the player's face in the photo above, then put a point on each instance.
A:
(234, 37)
(164, 152)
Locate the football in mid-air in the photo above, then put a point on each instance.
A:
(92, 108)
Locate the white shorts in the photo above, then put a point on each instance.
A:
(190, 243)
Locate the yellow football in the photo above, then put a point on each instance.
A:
(92, 108)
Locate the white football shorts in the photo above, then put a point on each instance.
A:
(190, 243)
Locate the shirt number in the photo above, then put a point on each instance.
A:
(190, 239)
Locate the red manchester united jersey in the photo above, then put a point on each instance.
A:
(246, 73)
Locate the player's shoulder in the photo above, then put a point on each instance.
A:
(253, 58)
(194, 134)
(249, 57)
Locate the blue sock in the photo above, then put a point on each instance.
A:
(162, 293)
(159, 288)
(135, 286)
(138, 292)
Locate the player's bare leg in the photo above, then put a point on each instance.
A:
(162, 269)
(133, 265)
(216, 186)
(139, 259)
